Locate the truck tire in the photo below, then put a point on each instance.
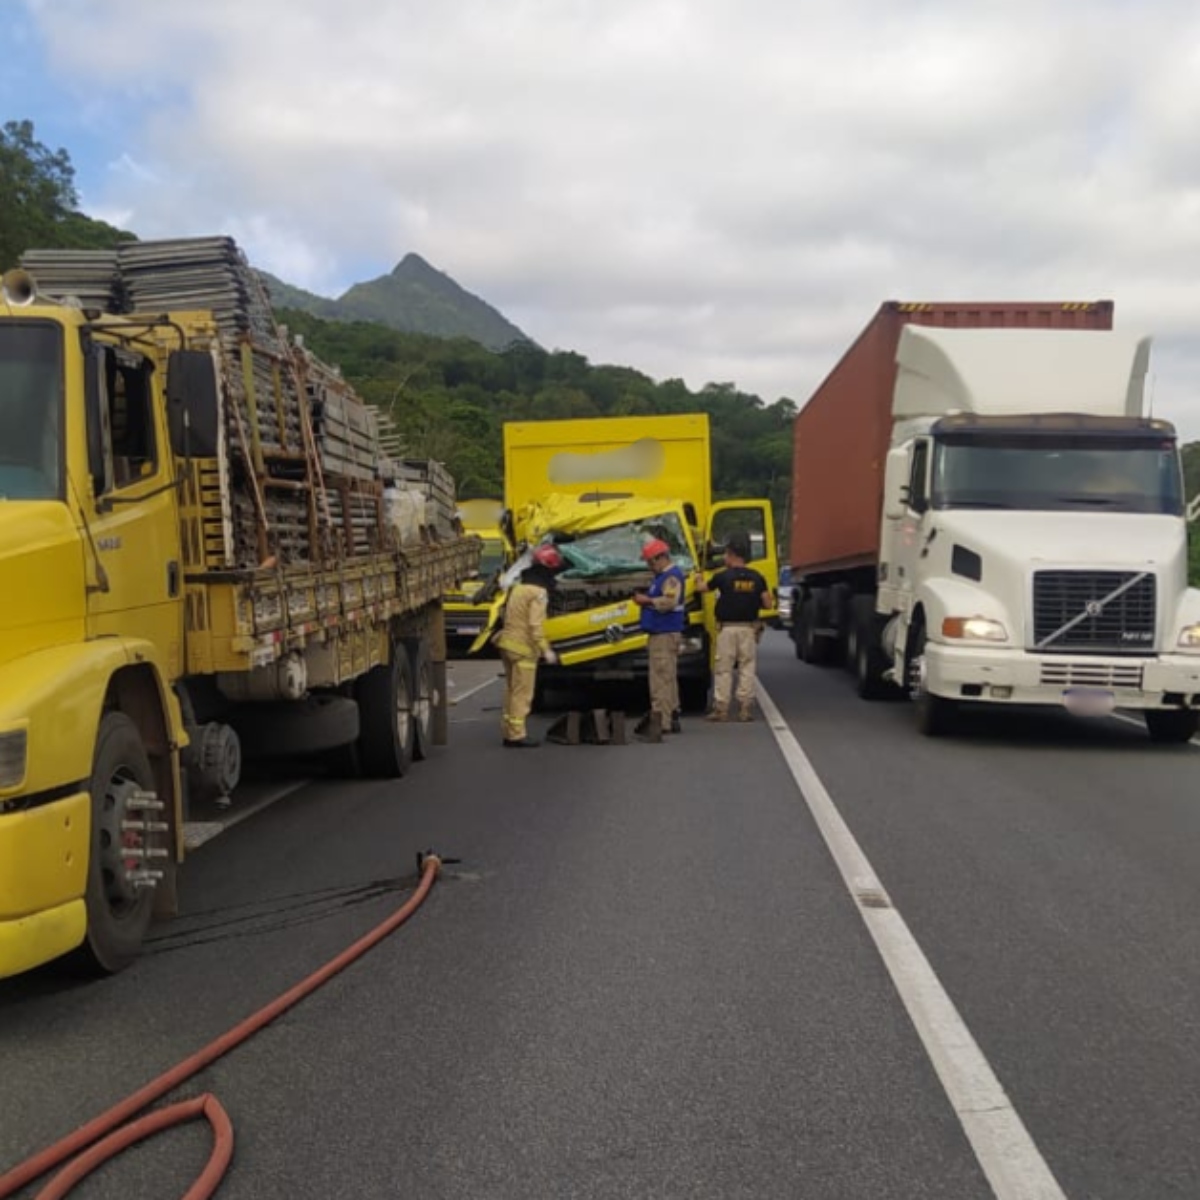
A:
(865, 655)
(118, 912)
(385, 711)
(810, 647)
(425, 698)
(1171, 726)
(936, 716)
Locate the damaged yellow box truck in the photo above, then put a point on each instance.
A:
(599, 489)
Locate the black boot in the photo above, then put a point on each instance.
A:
(525, 743)
(676, 727)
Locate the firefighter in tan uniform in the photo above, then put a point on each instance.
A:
(522, 641)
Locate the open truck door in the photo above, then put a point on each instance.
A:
(756, 520)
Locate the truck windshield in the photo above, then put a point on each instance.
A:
(491, 558)
(617, 550)
(1133, 475)
(31, 397)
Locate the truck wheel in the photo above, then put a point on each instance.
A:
(1171, 725)
(424, 697)
(867, 660)
(936, 716)
(810, 647)
(385, 710)
(118, 908)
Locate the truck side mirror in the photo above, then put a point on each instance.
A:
(193, 405)
(897, 504)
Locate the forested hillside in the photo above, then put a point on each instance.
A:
(451, 397)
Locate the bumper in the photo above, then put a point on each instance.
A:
(465, 624)
(632, 666)
(1015, 677)
(43, 876)
(28, 942)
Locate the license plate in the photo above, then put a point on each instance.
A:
(1089, 702)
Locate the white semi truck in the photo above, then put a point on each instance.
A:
(1032, 543)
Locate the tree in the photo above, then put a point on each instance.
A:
(38, 200)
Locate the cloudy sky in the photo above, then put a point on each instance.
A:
(717, 190)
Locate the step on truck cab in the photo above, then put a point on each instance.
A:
(599, 489)
(195, 569)
(1029, 540)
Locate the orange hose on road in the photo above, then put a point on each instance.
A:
(88, 1135)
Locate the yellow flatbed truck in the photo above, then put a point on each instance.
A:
(599, 488)
(194, 565)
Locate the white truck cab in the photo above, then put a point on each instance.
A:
(1034, 531)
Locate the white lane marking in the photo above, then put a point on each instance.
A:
(1012, 1163)
(471, 691)
(197, 833)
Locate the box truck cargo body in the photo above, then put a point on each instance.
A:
(599, 489)
(984, 515)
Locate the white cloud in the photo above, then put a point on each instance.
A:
(697, 188)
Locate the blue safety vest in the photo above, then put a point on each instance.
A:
(674, 621)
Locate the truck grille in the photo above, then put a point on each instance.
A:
(1098, 675)
(1121, 625)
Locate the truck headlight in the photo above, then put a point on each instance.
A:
(1189, 638)
(974, 629)
(14, 746)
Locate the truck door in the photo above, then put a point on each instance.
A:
(908, 537)
(755, 519)
(133, 517)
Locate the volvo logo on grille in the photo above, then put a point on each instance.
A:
(1094, 608)
(614, 633)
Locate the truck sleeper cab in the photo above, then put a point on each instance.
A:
(1030, 544)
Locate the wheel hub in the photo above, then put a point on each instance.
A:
(129, 840)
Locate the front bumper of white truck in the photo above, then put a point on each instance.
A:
(1084, 682)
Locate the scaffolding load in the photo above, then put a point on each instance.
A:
(305, 460)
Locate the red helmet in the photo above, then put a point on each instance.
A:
(548, 556)
(653, 548)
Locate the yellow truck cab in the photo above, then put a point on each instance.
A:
(466, 618)
(190, 572)
(599, 489)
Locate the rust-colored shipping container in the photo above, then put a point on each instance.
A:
(842, 435)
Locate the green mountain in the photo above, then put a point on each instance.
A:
(414, 298)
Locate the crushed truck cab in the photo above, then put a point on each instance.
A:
(599, 489)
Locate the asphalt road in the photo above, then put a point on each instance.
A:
(647, 979)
